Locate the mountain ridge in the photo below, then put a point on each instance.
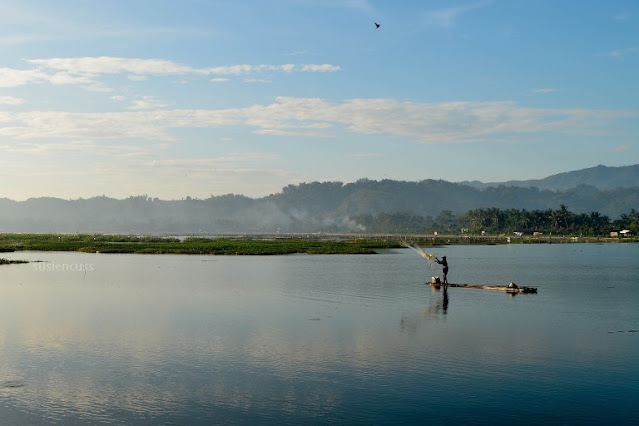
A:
(304, 207)
(601, 177)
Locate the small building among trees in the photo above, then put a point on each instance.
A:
(622, 233)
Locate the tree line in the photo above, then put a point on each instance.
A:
(493, 220)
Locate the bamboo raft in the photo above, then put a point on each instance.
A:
(507, 288)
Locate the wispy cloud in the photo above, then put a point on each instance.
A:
(544, 90)
(87, 148)
(620, 54)
(38, 22)
(10, 77)
(147, 103)
(294, 133)
(320, 68)
(211, 162)
(447, 17)
(113, 65)
(10, 100)
(448, 122)
(86, 71)
(257, 80)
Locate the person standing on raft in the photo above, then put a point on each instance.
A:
(444, 268)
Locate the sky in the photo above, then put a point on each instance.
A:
(201, 98)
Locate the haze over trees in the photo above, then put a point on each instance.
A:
(362, 206)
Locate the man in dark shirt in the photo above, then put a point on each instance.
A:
(444, 268)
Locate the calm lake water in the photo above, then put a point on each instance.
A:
(136, 339)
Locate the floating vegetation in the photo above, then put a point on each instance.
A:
(12, 384)
(99, 243)
(11, 261)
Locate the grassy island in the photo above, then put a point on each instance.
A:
(11, 261)
(253, 245)
(265, 244)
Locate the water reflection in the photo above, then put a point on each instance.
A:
(152, 340)
(439, 305)
(445, 300)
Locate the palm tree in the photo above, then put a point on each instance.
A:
(559, 219)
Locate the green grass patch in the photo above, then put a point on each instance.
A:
(99, 243)
(11, 262)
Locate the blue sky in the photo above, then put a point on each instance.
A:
(209, 97)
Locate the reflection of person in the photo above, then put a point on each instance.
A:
(445, 301)
(444, 268)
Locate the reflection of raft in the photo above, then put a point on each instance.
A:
(507, 288)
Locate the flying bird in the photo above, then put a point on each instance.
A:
(376, 25)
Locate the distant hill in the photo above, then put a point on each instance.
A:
(600, 177)
(311, 207)
(430, 197)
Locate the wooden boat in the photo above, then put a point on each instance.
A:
(511, 288)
